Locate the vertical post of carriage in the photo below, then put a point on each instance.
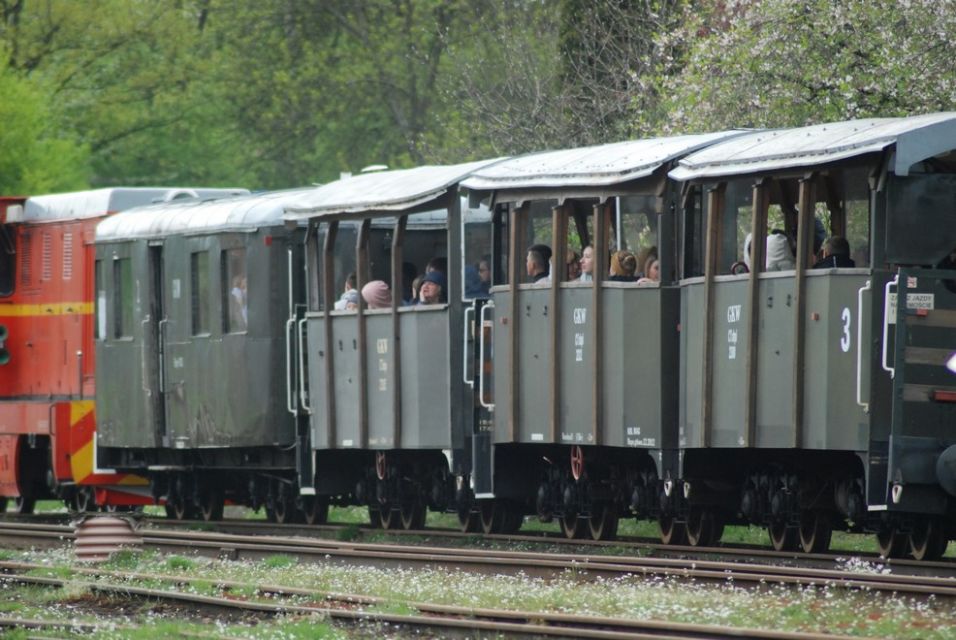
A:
(361, 270)
(806, 205)
(398, 239)
(559, 241)
(601, 213)
(328, 294)
(515, 230)
(715, 226)
(758, 231)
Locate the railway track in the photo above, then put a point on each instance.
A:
(351, 609)
(583, 566)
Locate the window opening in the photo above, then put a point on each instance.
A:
(123, 300)
(199, 278)
(8, 261)
(235, 307)
(99, 325)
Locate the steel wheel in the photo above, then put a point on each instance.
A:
(211, 505)
(83, 500)
(469, 521)
(315, 509)
(703, 528)
(815, 531)
(413, 515)
(602, 525)
(672, 531)
(782, 537)
(178, 510)
(24, 505)
(375, 517)
(390, 518)
(892, 543)
(927, 539)
(4, 502)
(572, 526)
(284, 511)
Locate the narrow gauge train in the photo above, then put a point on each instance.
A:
(799, 399)
(47, 422)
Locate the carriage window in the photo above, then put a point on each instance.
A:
(536, 219)
(199, 278)
(313, 252)
(99, 326)
(636, 225)
(8, 262)
(235, 308)
(856, 204)
(123, 298)
(476, 253)
(693, 235)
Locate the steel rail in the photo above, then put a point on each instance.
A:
(433, 616)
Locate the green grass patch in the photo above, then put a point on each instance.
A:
(348, 532)
(124, 560)
(179, 563)
(280, 561)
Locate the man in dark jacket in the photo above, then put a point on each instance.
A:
(836, 255)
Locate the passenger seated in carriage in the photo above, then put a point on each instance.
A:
(836, 255)
(538, 264)
(652, 272)
(623, 267)
(433, 289)
(377, 295)
(587, 264)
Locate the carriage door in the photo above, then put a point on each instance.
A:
(154, 348)
(921, 316)
(479, 323)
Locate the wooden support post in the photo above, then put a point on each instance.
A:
(805, 229)
(398, 239)
(361, 270)
(516, 262)
(601, 215)
(559, 254)
(328, 288)
(758, 245)
(715, 227)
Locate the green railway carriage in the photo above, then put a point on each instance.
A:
(813, 398)
(196, 386)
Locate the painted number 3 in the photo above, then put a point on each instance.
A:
(845, 338)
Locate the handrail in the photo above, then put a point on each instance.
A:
(144, 369)
(859, 346)
(886, 322)
(464, 342)
(161, 331)
(303, 395)
(481, 359)
(289, 392)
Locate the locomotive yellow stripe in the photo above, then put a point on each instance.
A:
(48, 309)
(79, 409)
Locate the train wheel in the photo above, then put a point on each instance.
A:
(513, 518)
(782, 537)
(672, 531)
(413, 516)
(24, 505)
(83, 500)
(315, 509)
(4, 502)
(179, 510)
(602, 525)
(284, 511)
(211, 505)
(927, 539)
(375, 517)
(390, 518)
(892, 543)
(572, 526)
(703, 528)
(469, 521)
(815, 531)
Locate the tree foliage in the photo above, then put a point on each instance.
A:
(280, 93)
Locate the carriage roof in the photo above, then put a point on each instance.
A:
(916, 138)
(395, 191)
(231, 214)
(78, 205)
(600, 165)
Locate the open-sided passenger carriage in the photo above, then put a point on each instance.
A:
(388, 404)
(579, 399)
(810, 398)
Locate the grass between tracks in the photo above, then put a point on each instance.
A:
(831, 610)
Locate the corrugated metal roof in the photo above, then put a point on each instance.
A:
(916, 138)
(397, 190)
(597, 166)
(97, 202)
(239, 213)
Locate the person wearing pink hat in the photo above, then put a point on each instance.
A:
(377, 295)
